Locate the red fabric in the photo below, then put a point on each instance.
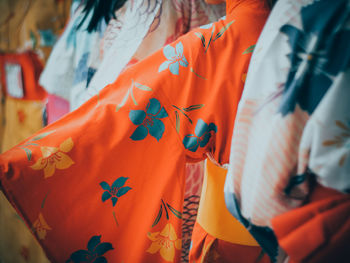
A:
(206, 248)
(31, 70)
(319, 231)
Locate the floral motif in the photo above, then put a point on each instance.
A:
(165, 242)
(341, 140)
(175, 58)
(212, 38)
(93, 254)
(312, 72)
(148, 121)
(21, 116)
(54, 157)
(116, 190)
(41, 227)
(201, 136)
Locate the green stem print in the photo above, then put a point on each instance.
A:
(44, 200)
(131, 93)
(195, 73)
(30, 142)
(249, 50)
(165, 206)
(212, 38)
(115, 218)
(184, 112)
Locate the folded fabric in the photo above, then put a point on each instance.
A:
(316, 232)
(293, 119)
(141, 28)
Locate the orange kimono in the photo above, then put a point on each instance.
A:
(106, 182)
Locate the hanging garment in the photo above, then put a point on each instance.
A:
(68, 64)
(110, 176)
(141, 28)
(293, 119)
(327, 217)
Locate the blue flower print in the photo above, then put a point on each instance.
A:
(81, 72)
(93, 254)
(201, 137)
(115, 191)
(148, 121)
(319, 53)
(175, 58)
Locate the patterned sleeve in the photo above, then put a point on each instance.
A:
(110, 176)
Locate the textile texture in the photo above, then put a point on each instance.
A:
(111, 175)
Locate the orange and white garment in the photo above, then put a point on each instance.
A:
(106, 182)
(292, 125)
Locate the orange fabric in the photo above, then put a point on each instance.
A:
(31, 69)
(213, 215)
(319, 231)
(107, 180)
(206, 248)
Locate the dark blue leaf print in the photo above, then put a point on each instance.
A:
(148, 121)
(81, 71)
(319, 53)
(80, 256)
(94, 253)
(190, 142)
(119, 182)
(203, 133)
(201, 128)
(139, 134)
(105, 196)
(156, 129)
(105, 186)
(100, 260)
(137, 116)
(162, 114)
(117, 189)
(153, 107)
(123, 191)
(103, 248)
(90, 73)
(205, 139)
(93, 242)
(114, 200)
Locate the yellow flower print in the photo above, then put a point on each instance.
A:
(41, 227)
(165, 242)
(54, 157)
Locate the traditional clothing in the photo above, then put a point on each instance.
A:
(106, 182)
(292, 125)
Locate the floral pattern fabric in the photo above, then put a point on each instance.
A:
(293, 121)
(142, 28)
(147, 217)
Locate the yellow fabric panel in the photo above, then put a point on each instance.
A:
(22, 118)
(213, 215)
